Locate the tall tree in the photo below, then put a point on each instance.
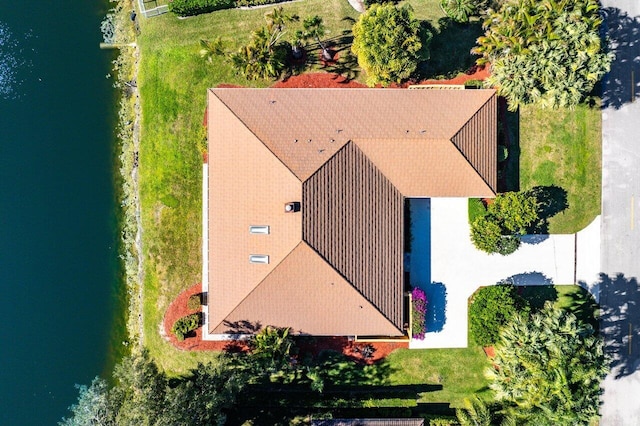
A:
(140, 391)
(544, 52)
(387, 42)
(203, 398)
(94, 406)
(141, 395)
(548, 369)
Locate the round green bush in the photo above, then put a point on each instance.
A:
(185, 325)
(491, 309)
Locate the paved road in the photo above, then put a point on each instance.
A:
(620, 258)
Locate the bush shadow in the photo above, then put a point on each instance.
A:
(622, 32)
(619, 310)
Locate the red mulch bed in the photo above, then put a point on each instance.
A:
(329, 80)
(313, 346)
(178, 309)
(489, 351)
(318, 80)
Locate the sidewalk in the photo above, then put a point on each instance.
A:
(461, 268)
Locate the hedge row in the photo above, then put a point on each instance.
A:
(247, 3)
(197, 7)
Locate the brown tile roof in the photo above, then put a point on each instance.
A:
(329, 118)
(350, 157)
(304, 292)
(353, 217)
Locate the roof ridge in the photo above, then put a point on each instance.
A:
(376, 170)
(462, 128)
(256, 286)
(254, 134)
(298, 246)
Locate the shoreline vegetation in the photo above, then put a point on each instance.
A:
(117, 28)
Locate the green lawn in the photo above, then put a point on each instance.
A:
(563, 148)
(460, 372)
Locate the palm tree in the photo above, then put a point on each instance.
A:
(556, 42)
(474, 413)
(314, 29)
(549, 367)
(209, 49)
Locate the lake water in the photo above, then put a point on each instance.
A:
(58, 256)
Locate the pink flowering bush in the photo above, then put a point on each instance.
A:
(418, 312)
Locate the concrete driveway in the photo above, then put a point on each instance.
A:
(619, 293)
(458, 267)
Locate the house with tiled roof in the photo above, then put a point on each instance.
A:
(304, 200)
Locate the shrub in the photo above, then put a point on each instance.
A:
(418, 313)
(459, 10)
(510, 215)
(185, 325)
(369, 3)
(196, 7)
(387, 42)
(474, 84)
(491, 308)
(503, 153)
(249, 3)
(194, 302)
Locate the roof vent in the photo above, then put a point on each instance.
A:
(259, 229)
(259, 258)
(292, 207)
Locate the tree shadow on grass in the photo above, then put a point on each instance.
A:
(348, 388)
(551, 200)
(537, 295)
(623, 32)
(450, 48)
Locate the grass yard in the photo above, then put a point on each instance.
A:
(460, 372)
(563, 148)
